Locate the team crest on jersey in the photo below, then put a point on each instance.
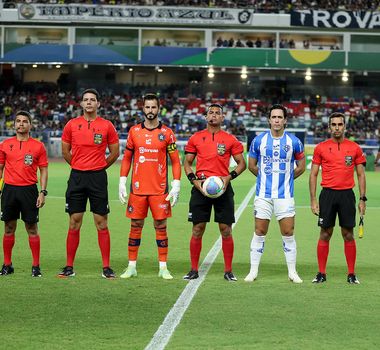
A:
(348, 160)
(137, 184)
(28, 159)
(286, 148)
(98, 138)
(161, 137)
(130, 209)
(221, 148)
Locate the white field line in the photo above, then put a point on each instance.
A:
(173, 318)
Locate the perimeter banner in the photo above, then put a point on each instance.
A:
(134, 14)
(335, 19)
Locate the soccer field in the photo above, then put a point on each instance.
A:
(90, 312)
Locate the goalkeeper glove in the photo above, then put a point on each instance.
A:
(174, 192)
(123, 190)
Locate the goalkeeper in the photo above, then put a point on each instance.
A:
(147, 150)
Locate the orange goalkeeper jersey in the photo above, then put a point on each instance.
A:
(150, 150)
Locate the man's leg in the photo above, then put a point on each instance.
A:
(257, 247)
(8, 244)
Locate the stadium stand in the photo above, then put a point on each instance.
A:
(267, 6)
(51, 110)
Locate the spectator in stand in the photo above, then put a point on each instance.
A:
(258, 43)
(239, 43)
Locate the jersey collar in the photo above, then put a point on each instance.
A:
(158, 127)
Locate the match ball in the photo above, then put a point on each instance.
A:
(213, 187)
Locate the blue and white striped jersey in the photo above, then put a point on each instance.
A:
(275, 159)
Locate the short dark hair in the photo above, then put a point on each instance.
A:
(337, 115)
(91, 91)
(278, 106)
(25, 114)
(218, 105)
(150, 97)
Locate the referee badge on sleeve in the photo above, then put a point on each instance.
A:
(28, 159)
(98, 138)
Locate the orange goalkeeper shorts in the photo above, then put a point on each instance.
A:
(138, 207)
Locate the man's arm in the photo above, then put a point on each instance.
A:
(252, 166)
(313, 188)
(360, 172)
(241, 166)
(187, 166)
(300, 167)
(114, 154)
(43, 183)
(66, 151)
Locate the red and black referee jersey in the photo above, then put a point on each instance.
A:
(89, 141)
(21, 160)
(338, 161)
(213, 152)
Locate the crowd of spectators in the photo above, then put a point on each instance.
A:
(263, 6)
(51, 110)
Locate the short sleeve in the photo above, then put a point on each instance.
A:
(66, 135)
(112, 136)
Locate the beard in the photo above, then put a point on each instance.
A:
(150, 116)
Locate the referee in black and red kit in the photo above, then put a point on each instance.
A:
(338, 158)
(20, 157)
(84, 143)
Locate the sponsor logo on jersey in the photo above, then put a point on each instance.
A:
(348, 160)
(98, 138)
(148, 141)
(28, 159)
(148, 150)
(221, 148)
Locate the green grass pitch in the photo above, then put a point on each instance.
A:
(89, 312)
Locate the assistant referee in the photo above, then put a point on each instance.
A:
(20, 158)
(84, 143)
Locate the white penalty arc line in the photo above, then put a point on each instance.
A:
(173, 318)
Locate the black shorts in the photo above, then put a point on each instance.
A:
(200, 207)
(341, 202)
(83, 185)
(19, 199)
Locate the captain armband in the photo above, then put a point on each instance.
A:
(234, 174)
(171, 148)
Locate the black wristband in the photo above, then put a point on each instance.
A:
(234, 174)
(191, 177)
(44, 192)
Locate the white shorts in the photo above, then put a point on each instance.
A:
(263, 208)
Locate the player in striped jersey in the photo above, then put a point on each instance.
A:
(276, 157)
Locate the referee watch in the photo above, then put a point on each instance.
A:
(363, 198)
(44, 192)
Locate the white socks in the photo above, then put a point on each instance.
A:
(290, 251)
(257, 250)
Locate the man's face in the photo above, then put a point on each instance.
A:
(89, 102)
(214, 116)
(150, 109)
(22, 124)
(277, 120)
(337, 127)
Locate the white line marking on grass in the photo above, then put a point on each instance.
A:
(173, 318)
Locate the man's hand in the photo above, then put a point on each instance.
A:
(174, 192)
(314, 206)
(123, 190)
